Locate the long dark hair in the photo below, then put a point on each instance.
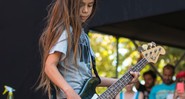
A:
(61, 15)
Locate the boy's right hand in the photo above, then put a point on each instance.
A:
(71, 94)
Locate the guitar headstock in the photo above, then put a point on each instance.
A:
(151, 52)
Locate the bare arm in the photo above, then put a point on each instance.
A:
(141, 96)
(55, 76)
(106, 82)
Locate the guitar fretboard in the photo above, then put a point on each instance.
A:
(115, 88)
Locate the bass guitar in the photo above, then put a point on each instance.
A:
(150, 53)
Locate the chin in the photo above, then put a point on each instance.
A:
(83, 21)
(168, 83)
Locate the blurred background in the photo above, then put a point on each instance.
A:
(116, 31)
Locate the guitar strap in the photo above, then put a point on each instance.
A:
(94, 63)
(94, 67)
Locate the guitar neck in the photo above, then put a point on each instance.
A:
(115, 88)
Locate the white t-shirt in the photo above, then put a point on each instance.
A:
(74, 75)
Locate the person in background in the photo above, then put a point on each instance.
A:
(180, 86)
(149, 78)
(129, 93)
(161, 91)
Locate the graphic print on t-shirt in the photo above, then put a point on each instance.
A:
(162, 94)
(85, 49)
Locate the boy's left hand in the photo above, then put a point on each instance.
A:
(136, 76)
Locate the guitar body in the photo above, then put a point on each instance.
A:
(88, 90)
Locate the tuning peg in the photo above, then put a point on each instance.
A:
(153, 44)
(149, 45)
(145, 47)
(140, 49)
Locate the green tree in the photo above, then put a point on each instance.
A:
(104, 47)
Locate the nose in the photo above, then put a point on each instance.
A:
(169, 77)
(85, 9)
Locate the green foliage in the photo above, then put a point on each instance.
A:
(105, 49)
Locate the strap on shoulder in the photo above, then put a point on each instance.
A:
(94, 67)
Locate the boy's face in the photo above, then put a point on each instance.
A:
(129, 87)
(149, 81)
(167, 76)
(86, 8)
